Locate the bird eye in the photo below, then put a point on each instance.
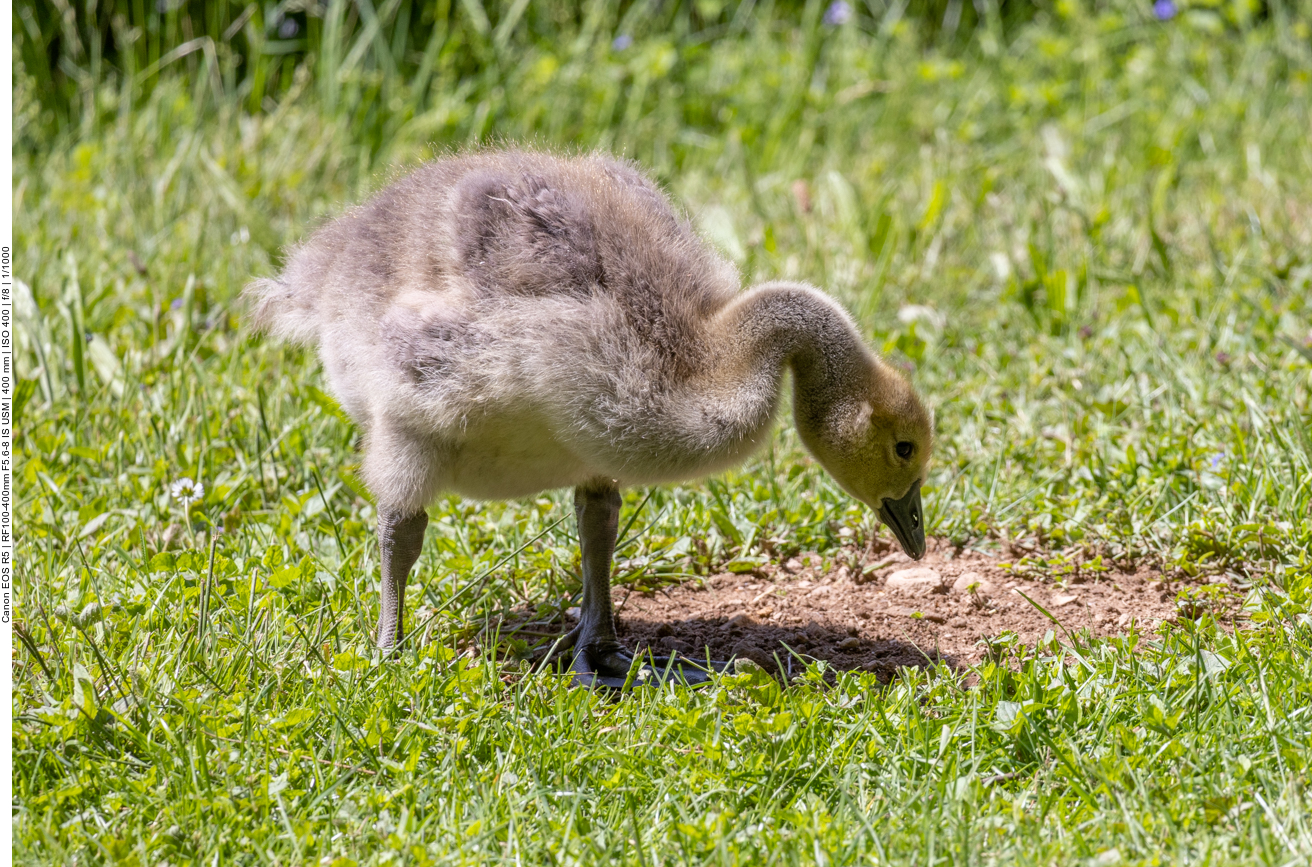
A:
(904, 449)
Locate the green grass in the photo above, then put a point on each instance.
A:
(1109, 217)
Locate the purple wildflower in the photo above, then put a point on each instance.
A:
(838, 13)
(621, 42)
(1164, 10)
(288, 28)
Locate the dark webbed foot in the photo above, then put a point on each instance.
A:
(613, 668)
(609, 665)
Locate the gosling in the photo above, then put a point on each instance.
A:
(508, 322)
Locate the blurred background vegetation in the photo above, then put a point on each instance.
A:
(393, 61)
(397, 49)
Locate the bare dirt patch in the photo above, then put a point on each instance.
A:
(881, 610)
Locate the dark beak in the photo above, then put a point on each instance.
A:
(904, 518)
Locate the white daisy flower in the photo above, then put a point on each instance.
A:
(186, 492)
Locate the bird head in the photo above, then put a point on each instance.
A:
(876, 440)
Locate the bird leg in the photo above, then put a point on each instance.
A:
(599, 659)
(400, 539)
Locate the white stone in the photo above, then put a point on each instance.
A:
(965, 580)
(920, 581)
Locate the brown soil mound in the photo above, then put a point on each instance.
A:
(883, 610)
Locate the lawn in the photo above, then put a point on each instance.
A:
(1085, 230)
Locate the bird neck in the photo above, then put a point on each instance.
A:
(787, 325)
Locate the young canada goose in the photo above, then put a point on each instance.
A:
(507, 322)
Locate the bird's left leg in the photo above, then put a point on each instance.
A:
(402, 472)
(599, 658)
(400, 539)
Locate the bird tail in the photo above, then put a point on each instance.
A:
(282, 308)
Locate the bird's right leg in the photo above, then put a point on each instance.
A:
(599, 659)
(598, 656)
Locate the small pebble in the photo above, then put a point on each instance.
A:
(968, 580)
(920, 581)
